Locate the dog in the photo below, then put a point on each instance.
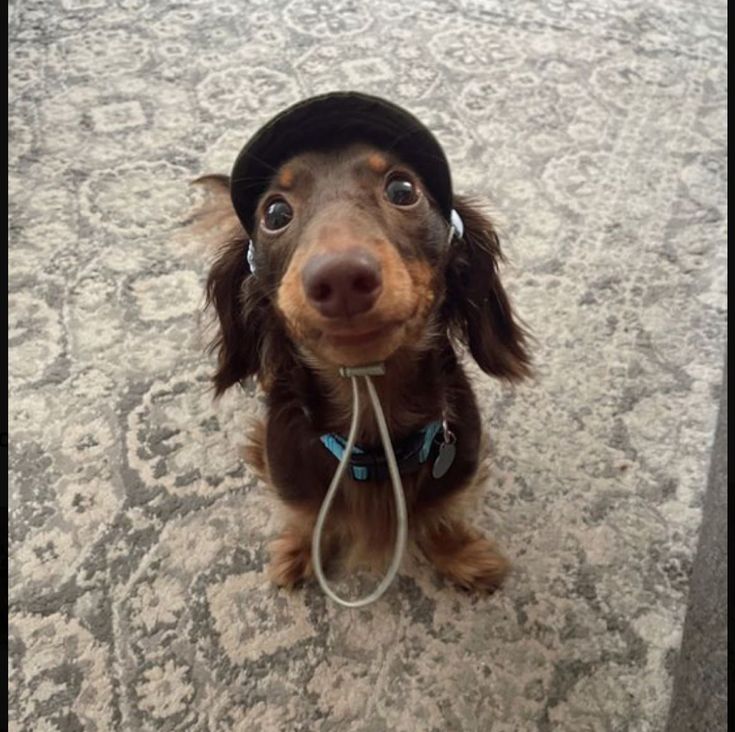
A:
(345, 245)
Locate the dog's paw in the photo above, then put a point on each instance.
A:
(465, 557)
(476, 565)
(290, 560)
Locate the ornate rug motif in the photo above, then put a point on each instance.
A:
(137, 536)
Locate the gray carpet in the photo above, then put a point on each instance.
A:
(138, 598)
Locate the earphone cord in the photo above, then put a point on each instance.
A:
(400, 500)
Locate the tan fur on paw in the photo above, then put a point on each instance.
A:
(478, 565)
(290, 559)
(465, 557)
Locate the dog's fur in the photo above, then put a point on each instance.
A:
(435, 297)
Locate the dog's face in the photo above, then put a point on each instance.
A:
(351, 243)
(354, 266)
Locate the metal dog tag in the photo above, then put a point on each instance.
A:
(444, 459)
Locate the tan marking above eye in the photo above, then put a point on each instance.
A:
(286, 178)
(377, 163)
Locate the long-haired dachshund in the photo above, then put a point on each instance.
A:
(345, 246)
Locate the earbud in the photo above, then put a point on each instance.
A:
(457, 224)
(251, 256)
(456, 227)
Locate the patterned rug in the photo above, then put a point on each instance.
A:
(138, 595)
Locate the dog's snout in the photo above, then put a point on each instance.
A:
(341, 284)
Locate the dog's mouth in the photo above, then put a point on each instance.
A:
(355, 338)
(358, 345)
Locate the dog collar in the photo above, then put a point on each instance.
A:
(370, 464)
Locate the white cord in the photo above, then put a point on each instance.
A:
(401, 514)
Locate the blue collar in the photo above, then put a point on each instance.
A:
(369, 464)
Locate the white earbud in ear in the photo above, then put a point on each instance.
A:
(251, 256)
(457, 224)
(456, 227)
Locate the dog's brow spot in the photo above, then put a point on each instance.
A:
(286, 178)
(377, 163)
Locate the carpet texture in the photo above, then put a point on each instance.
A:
(138, 598)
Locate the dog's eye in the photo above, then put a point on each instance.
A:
(401, 191)
(278, 214)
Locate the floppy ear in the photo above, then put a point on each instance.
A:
(231, 289)
(479, 312)
(241, 312)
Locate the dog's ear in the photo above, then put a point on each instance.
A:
(240, 308)
(477, 306)
(231, 289)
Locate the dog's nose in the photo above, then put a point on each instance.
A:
(340, 284)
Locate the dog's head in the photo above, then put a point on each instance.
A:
(350, 259)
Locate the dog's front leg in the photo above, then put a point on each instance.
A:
(291, 551)
(463, 555)
(285, 452)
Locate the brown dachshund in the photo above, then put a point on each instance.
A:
(355, 262)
